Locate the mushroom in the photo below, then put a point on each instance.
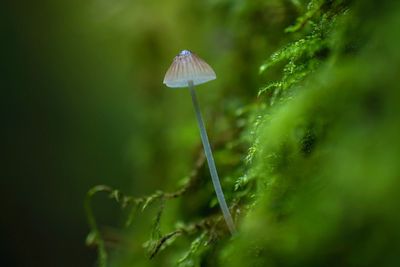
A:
(188, 70)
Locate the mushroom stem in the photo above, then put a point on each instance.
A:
(210, 161)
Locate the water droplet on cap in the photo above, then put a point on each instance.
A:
(185, 53)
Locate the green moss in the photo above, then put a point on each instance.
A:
(326, 162)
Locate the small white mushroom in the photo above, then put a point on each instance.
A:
(188, 70)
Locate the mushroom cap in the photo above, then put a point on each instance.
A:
(186, 67)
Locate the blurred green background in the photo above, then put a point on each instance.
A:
(83, 104)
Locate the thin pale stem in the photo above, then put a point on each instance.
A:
(211, 163)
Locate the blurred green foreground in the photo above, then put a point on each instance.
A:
(303, 117)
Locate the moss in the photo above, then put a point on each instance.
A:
(325, 161)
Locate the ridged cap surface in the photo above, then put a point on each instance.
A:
(186, 67)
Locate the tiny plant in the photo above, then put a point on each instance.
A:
(188, 70)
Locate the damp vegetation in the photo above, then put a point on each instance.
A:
(309, 152)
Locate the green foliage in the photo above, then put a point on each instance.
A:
(193, 255)
(304, 55)
(318, 178)
(312, 8)
(326, 158)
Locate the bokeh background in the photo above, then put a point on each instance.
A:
(83, 104)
